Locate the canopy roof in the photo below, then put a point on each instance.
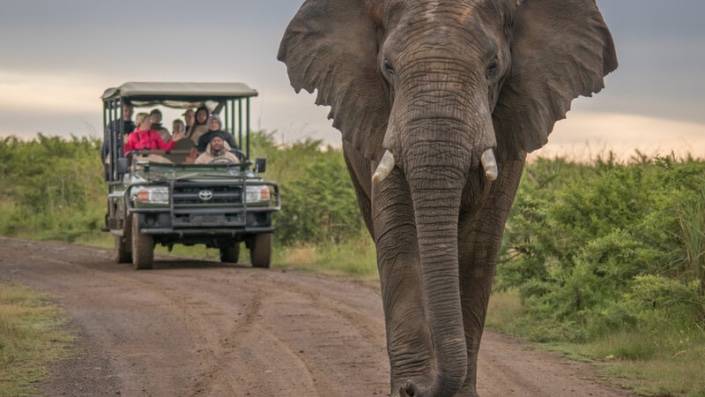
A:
(179, 91)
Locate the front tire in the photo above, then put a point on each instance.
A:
(230, 252)
(123, 252)
(142, 246)
(123, 244)
(261, 250)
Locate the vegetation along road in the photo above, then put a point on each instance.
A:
(198, 328)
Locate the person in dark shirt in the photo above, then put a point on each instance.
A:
(214, 129)
(156, 116)
(123, 126)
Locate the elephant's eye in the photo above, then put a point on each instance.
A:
(492, 70)
(388, 68)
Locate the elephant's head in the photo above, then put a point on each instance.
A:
(442, 91)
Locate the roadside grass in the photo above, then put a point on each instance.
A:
(354, 258)
(666, 361)
(31, 337)
(503, 309)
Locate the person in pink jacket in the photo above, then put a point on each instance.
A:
(145, 138)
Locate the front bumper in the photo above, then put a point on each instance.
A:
(211, 222)
(225, 213)
(208, 232)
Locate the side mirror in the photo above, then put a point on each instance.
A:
(260, 165)
(123, 165)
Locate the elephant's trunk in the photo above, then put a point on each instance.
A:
(436, 193)
(439, 140)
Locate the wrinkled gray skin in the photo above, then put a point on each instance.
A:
(436, 83)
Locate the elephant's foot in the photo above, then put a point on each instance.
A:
(467, 391)
(413, 389)
(410, 389)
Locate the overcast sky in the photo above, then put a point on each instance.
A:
(57, 57)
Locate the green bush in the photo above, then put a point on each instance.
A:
(654, 299)
(51, 187)
(318, 198)
(691, 218)
(585, 242)
(320, 206)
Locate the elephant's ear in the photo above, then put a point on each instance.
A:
(331, 46)
(561, 49)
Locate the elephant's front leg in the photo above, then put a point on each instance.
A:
(480, 237)
(408, 339)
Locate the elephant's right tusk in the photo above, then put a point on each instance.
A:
(385, 167)
(489, 163)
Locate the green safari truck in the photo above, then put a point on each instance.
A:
(156, 197)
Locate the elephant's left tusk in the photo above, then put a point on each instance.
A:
(489, 163)
(385, 167)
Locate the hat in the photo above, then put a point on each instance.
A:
(214, 117)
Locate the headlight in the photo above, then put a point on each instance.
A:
(150, 194)
(258, 194)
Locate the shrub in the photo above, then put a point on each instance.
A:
(320, 206)
(586, 242)
(653, 299)
(52, 187)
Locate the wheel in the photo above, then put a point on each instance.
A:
(230, 252)
(123, 244)
(142, 246)
(261, 250)
(123, 252)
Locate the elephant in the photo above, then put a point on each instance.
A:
(439, 102)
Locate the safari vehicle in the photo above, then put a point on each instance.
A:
(160, 198)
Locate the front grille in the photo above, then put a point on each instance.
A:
(198, 205)
(209, 196)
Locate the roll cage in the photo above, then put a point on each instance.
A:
(232, 99)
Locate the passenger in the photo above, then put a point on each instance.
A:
(217, 152)
(156, 116)
(140, 118)
(124, 126)
(189, 119)
(214, 129)
(200, 125)
(178, 129)
(146, 138)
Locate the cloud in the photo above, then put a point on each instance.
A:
(49, 92)
(69, 103)
(583, 135)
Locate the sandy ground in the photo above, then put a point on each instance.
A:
(194, 328)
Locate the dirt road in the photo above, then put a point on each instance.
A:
(201, 329)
